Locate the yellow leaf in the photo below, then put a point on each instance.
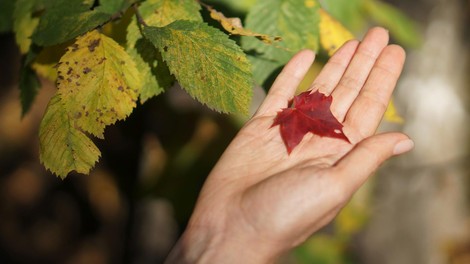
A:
(391, 115)
(63, 148)
(98, 82)
(332, 33)
(234, 26)
(47, 71)
(24, 23)
(164, 12)
(310, 3)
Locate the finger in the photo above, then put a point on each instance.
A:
(354, 168)
(366, 112)
(358, 70)
(331, 73)
(283, 88)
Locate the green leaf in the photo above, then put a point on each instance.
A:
(236, 5)
(263, 69)
(295, 21)
(208, 65)
(66, 19)
(350, 13)
(114, 6)
(63, 147)
(400, 26)
(98, 82)
(6, 15)
(160, 13)
(154, 72)
(29, 83)
(29, 86)
(24, 23)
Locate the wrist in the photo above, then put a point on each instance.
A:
(204, 245)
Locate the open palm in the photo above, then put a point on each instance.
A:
(259, 200)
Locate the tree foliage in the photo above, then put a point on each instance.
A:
(101, 75)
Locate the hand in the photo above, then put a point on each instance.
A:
(259, 202)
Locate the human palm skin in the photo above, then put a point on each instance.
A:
(259, 201)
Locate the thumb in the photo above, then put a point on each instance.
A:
(356, 167)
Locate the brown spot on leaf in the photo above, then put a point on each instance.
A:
(86, 70)
(101, 60)
(165, 49)
(93, 44)
(75, 47)
(69, 71)
(120, 88)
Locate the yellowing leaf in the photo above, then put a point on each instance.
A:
(24, 23)
(153, 71)
(310, 3)
(47, 71)
(332, 34)
(64, 148)
(160, 13)
(391, 115)
(98, 82)
(208, 65)
(234, 26)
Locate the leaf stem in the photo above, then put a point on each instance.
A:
(139, 17)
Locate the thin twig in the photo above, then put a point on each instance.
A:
(140, 19)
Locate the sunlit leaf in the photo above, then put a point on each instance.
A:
(154, 72)
(24, 23)
(332, 34)
(207, 64)
(63, 147)
(98, 82)
(295, 21)
(160, 13)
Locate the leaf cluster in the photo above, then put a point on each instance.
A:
(106, 55)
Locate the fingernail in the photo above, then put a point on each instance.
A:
(403, 146)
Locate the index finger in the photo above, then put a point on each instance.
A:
(283, 88)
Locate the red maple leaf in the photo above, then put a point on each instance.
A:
(308, 112)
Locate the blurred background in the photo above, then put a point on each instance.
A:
(136, 202)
